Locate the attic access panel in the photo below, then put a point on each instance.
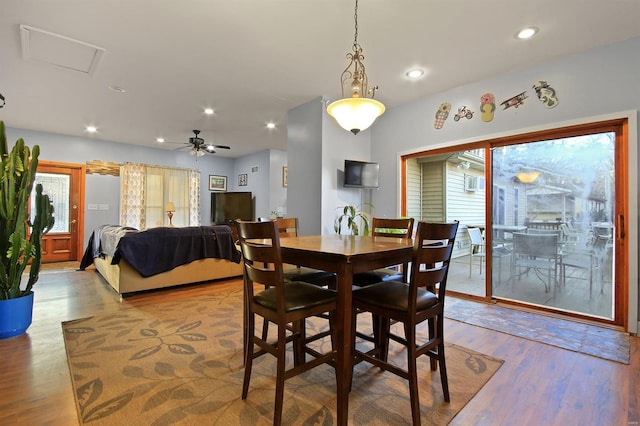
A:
(55, 49)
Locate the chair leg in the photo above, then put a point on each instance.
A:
(280, 371)
(248, 354)
(299, 339)
(443, 372)
(265, 329)
(383, 342)
(412, 369)
(432, 332)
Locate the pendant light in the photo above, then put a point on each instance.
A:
(357, 112)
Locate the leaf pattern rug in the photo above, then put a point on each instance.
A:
(180, 363)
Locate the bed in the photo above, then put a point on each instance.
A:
(131, 260)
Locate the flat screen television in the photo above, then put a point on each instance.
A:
(229, 206)
(361, 174)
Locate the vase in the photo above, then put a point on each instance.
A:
(15, 316)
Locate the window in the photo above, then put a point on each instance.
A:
(145, 190)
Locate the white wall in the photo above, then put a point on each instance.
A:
(598, 82)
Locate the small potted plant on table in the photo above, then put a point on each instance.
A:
(20, 235)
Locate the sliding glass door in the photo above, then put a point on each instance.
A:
(558, 249)
(540, 217)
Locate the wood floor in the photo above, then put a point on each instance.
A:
(537, 385)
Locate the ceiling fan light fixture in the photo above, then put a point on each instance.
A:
(358, 112)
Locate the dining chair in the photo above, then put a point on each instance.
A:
(383, 227)
(420, 299)
(537, 252)
(286, 304)
(288, 227)
(477, 248)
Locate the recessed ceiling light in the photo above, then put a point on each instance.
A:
(161, 140)
(208, 111)
(117, 89)
(415, 74)
(271, 125)
(91, 129)
(526, 33)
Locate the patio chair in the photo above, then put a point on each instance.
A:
(537, 252)
(477, 248)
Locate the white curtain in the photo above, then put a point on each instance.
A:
(145, 191)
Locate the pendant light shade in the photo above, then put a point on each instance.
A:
(357, 112)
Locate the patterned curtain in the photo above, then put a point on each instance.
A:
(132, 199)
(146, 190)
(194, 197)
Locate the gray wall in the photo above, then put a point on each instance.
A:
(594, 83)
(265, 183)
(304, 147)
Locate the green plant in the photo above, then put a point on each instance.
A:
(351, 215)
(20, 239)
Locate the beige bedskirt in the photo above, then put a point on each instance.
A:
(124, 279)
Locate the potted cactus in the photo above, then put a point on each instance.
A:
(20, 237)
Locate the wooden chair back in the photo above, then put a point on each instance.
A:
(433, 245)
(260, 246)
(399, 228)
(287, 226)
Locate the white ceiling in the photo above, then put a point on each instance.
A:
(253, 60)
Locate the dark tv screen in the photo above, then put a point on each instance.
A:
(361, 174)
(229, 206)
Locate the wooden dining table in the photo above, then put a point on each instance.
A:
(345, 255)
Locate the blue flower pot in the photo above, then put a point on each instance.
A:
(15, 316)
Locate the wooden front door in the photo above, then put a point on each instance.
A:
(64, 183)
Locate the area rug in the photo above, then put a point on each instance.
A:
(181, 363)
(592, 340)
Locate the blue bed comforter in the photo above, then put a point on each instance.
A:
(159, 250)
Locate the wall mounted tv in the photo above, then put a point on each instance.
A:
(360, 174)
(229, 206)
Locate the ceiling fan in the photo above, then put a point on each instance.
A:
(199, 147)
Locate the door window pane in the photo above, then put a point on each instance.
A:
(562, 254)
(56, 186)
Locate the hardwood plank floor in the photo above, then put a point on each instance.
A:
(538, 384)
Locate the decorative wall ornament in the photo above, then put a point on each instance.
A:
(442, 114)
(102, 168)
(242, 179)
(463, 111)
(545, 93)
(487, 106)
(515, 101)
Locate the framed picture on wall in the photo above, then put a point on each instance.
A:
(242, 180)
(285, 171)
(217, 183)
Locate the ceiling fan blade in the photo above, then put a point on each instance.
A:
(221, 146)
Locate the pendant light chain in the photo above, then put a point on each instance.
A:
(355, 37)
